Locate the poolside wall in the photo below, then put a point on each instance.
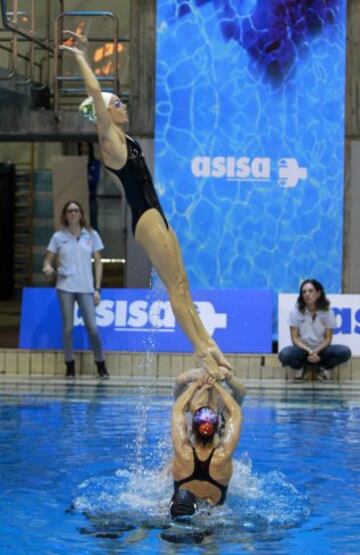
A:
(134, 365)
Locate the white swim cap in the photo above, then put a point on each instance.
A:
(87, 107)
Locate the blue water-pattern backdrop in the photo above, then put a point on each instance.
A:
(249, 140)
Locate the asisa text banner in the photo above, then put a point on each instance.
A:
(142, 320)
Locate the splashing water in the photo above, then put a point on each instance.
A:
(255, 503)
(142, 410)
(138, 497)
(146, 391)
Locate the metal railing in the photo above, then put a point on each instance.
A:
(13, 42)
(10, 23)
(63, 85)
(27, 60)
(11, 27)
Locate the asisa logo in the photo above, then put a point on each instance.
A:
(144, 316)
(231, 167)
(289, 172)
(348, 320)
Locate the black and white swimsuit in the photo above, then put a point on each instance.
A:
(138, 184)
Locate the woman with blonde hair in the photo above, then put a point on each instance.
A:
(122, 156)
(74, 245)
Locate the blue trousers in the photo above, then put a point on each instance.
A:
(87, 310)
(330, 357)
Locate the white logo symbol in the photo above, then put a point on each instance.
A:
(290, 173)
(210, 318)
(142, 316)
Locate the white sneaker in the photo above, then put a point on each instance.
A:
(324, 375)
(300, 374)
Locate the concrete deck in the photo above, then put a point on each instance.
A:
(42, 371)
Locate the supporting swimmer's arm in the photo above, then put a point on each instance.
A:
(232, 429)
(183, 401)
(236, 387)
(185, 378)
(230, 404)
(180, 436)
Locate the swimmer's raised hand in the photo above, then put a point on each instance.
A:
(210, 380)
(76, 44)
(225, 374)
(215, 374)
(201, 380)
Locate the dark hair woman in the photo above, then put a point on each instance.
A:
(321, 302)
(311, 324)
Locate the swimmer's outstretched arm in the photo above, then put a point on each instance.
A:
(232, 429)
(237, 388)
(180, 436)
(183, 380)
(104, 122)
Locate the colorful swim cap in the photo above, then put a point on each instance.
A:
(205, 421)
(87, 107)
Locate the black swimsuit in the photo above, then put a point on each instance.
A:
(201, 472)
(138, 184)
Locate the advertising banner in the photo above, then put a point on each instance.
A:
(347, 311)
(142, 320)
(249, 139)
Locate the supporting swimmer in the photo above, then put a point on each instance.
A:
(202, 464)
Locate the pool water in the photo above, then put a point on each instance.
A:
(83, 470)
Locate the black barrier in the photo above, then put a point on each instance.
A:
(7, 202)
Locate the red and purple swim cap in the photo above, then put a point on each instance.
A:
(205, 421)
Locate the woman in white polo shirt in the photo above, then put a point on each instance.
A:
(311, 323)
(74, 246)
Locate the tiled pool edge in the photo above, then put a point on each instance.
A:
(135, 367)
(90, 388)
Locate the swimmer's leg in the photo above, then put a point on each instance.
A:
(212, 346)
(160, 244)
